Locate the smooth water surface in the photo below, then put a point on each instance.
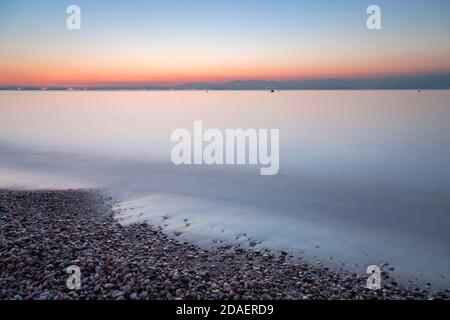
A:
(364, 175)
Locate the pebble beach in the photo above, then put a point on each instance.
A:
(44, 232)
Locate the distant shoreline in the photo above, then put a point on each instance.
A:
(137, 89)
(407, 82)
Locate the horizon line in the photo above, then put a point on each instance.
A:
(416, 81)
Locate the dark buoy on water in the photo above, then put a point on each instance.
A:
(272, 91)
(419, 91)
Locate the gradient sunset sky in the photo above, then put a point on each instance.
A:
(169, 42)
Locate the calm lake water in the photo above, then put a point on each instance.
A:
(364, 175)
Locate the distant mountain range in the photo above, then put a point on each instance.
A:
(431, 81)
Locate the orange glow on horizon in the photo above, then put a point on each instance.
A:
(76, 77)
(116, 72)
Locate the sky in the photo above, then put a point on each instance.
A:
(170, 42)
